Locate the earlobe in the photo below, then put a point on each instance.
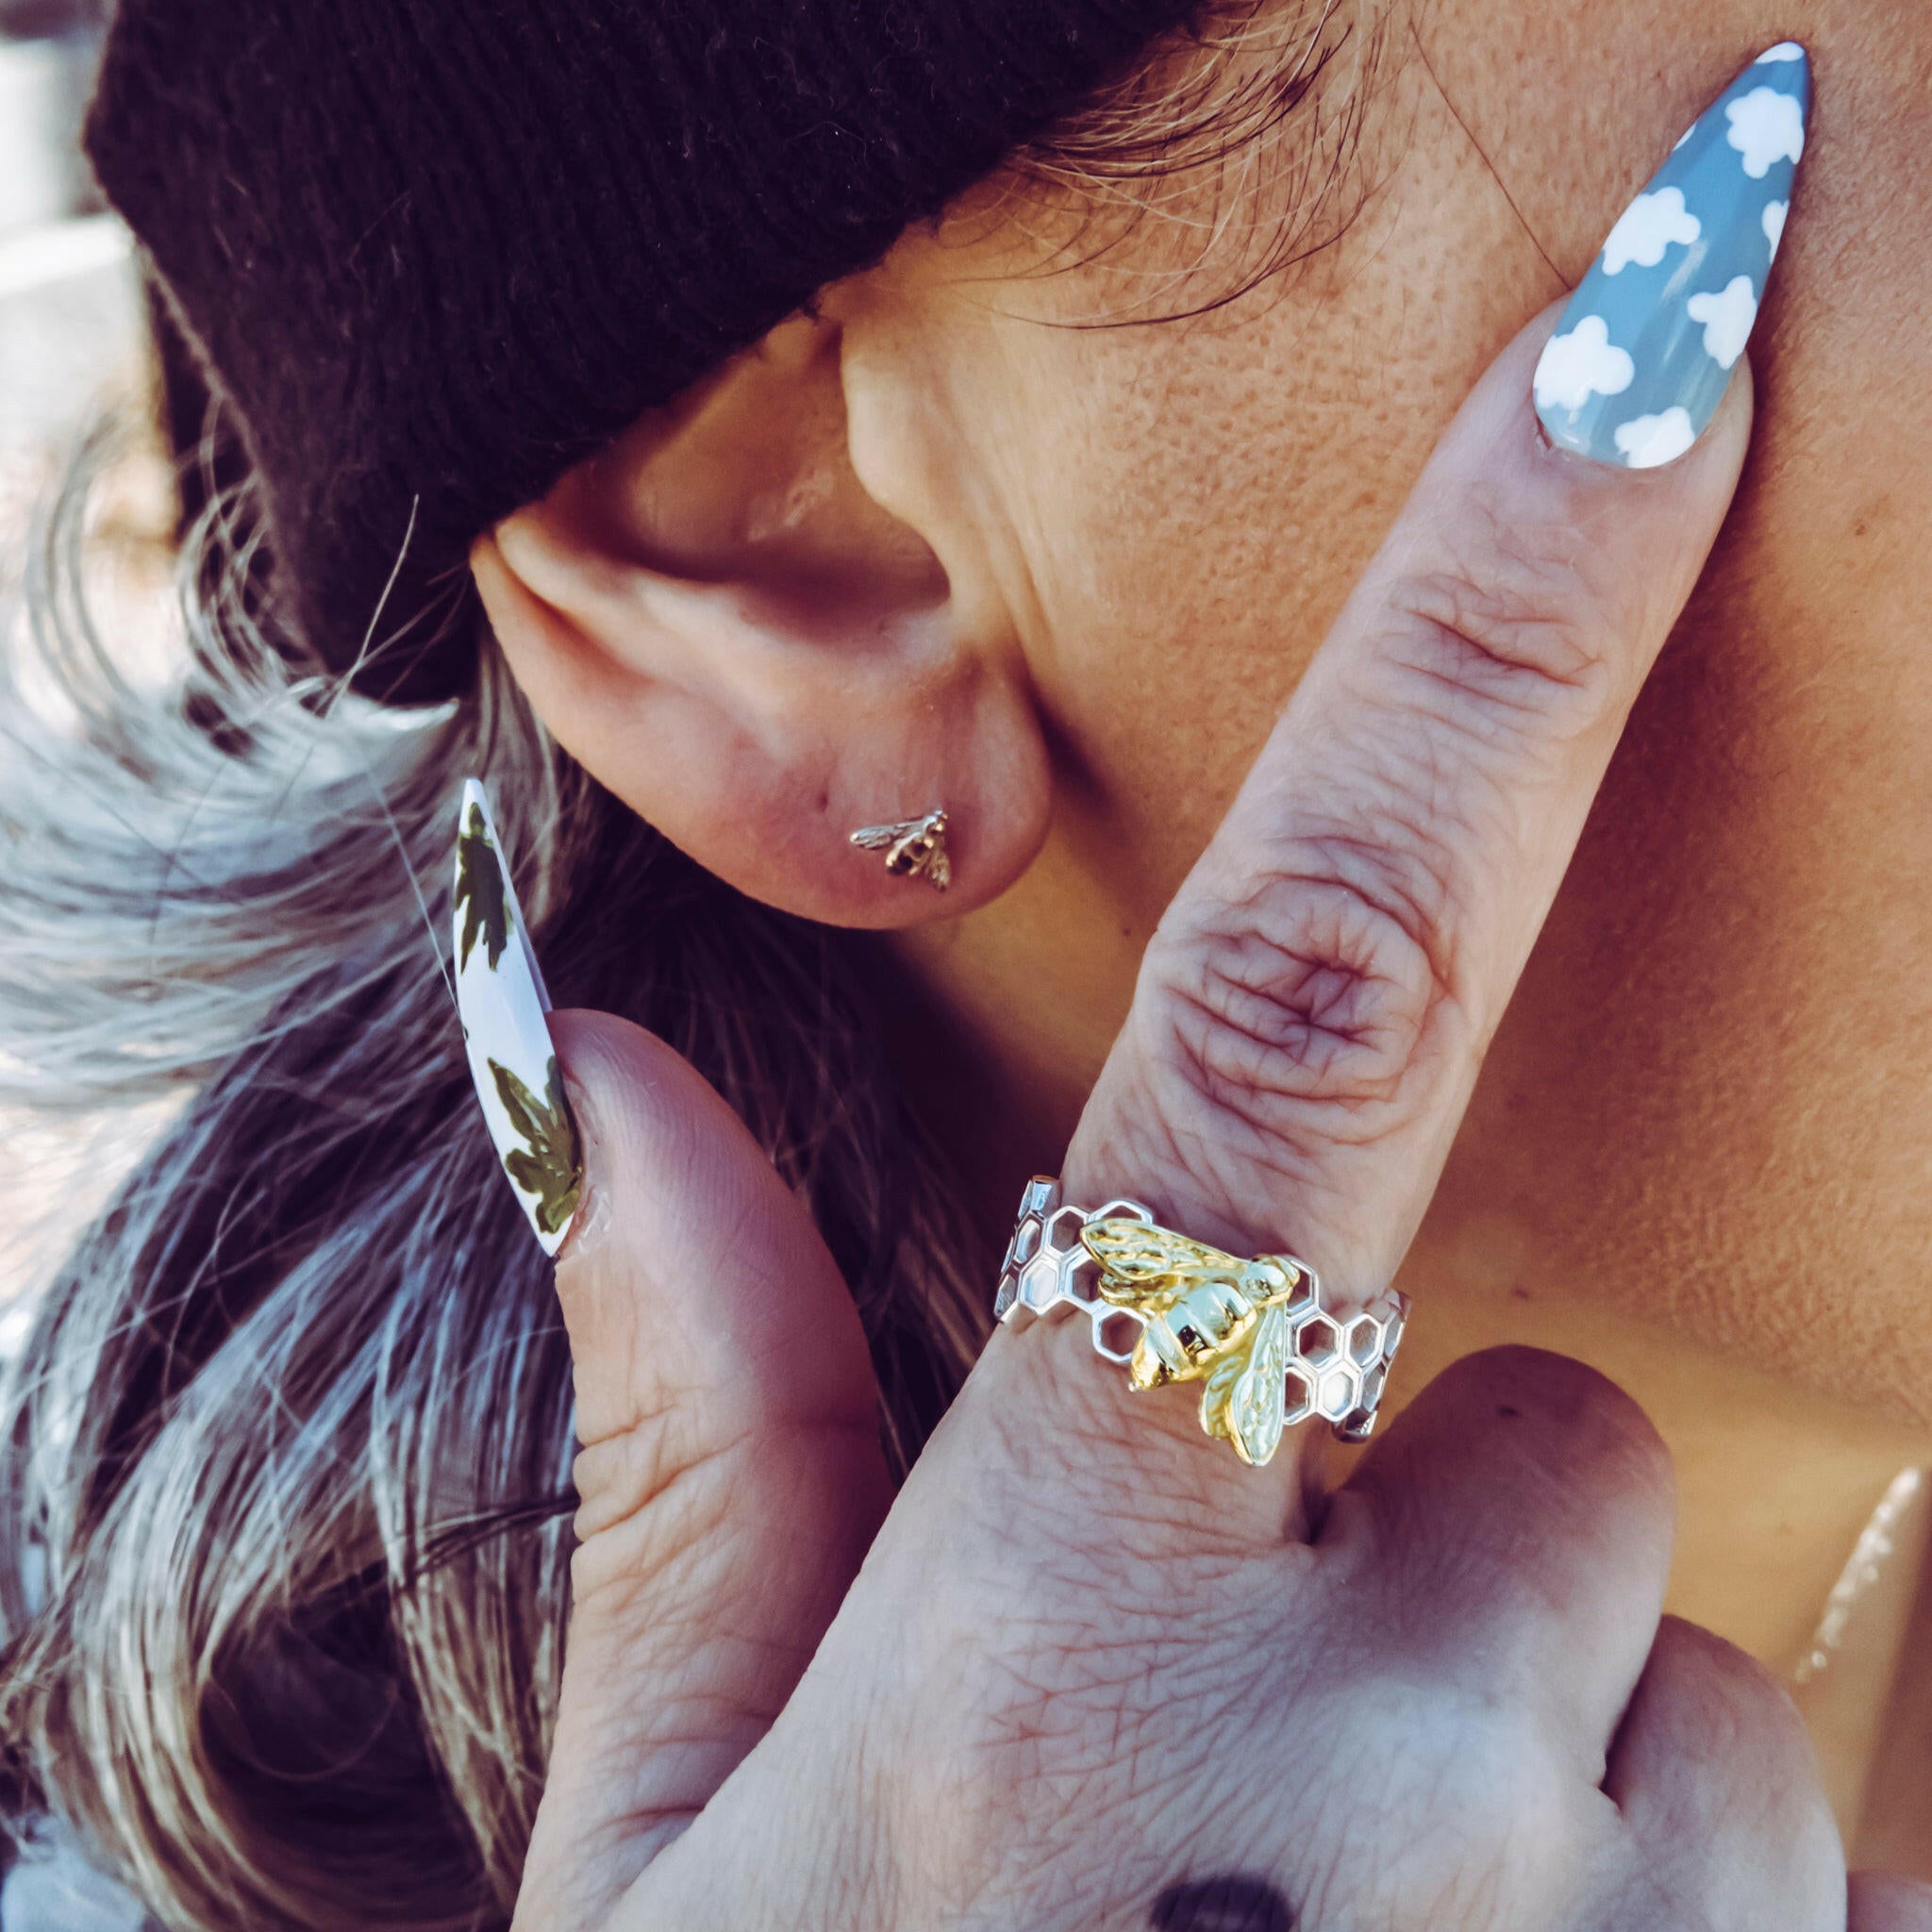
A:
(721, 622)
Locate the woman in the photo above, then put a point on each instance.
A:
(1043, 503)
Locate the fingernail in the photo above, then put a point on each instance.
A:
(501, 996)
(1645, 349)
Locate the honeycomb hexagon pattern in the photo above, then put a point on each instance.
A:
(1338, 1367)
(1047, 1267)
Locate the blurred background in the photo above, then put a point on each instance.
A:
(74, 364)
(69, 298)
(74, 355)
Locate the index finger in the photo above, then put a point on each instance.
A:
(1313, 1008)
(1312, 1013)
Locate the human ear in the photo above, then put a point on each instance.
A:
(761, 644)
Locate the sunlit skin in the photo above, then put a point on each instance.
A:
(1701, 1153)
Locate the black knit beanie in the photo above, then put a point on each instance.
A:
(434, 252)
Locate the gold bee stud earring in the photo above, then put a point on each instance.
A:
(914, 848)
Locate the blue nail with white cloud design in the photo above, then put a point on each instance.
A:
(1645, 351)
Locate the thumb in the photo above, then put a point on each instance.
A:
(732, 1475)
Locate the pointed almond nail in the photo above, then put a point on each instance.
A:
(1645, 349)
(503, 1001)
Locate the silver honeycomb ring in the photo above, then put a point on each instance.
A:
(1335, 1366)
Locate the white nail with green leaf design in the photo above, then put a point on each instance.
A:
(503, 1001)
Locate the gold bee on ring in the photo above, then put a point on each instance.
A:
(1267, 1344)
(1208, 1317)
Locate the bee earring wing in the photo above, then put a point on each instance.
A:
(914, 848)
(1245, 1400)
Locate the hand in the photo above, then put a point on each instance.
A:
(1093, 1674)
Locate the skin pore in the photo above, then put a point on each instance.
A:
(1063, 580)
(1698, 1158)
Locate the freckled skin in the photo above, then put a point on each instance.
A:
(1700, 1151)
(1728, 984)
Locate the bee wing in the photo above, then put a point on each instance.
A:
(875, 837)
(1149, 1267)
(1246, 1397)
(939, 868)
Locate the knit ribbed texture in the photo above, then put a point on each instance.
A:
(434, 252)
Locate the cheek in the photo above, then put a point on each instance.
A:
(1197, 498)
(1708, 1106)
